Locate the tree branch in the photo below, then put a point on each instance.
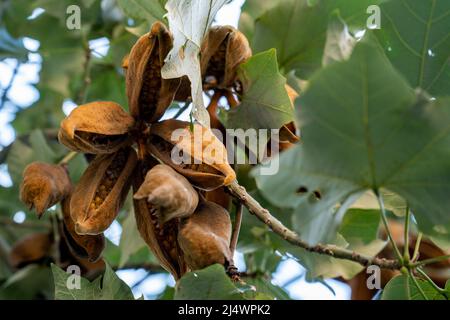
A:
(290, 236)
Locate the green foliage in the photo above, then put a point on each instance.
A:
(403, 288)
(383, 115)
(106, 287)
(265, 104)
(414, 35)
(211, 283)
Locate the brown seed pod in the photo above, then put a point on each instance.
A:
(44, 185)
(101, 191)
(219, 196)
(161, 239)
(287, 132)
(149, 95)
(82, 246)
(33, 248)
(223, 50)
(96, 127)
(205, 161)
(168, 192)
(205, 236)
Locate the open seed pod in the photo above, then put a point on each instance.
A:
(148, 93)
(96, 127)
(33, 248)
(198, 155)
(223, 49)
(205, 236)
(44, 185)
(161, 239)
(101, 191)
(168, 192)
(219, 196)
(83, 246)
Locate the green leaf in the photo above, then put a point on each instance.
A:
(402, 287)
(88, 290)
(30, 282)
(263, 289)
(114, 288)
(265, 103)
(143, 9)
(106, 287)
(297, 31)
(360, 225)
(354, 12)
(414, 34)
(250, 11)
(107, 85)
(130, 240)
(21, 154)
(358, 232)
(364, 128)
(211, 283)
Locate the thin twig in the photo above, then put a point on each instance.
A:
(182, 109)
(417, 247)
(406, 255)
(431, 282)
(417, 285)
(140, 281)
(386, 226)
(264, 215)
(236, 228)
(430, 261)
(4, 97)
(82, 93)
(67, 158)
(232, 102)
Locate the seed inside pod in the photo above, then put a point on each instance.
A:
(205, 236)
(97, 127)
(148, 94)
(100, 193)
(44, 185)
(204, 160)
(161, 239)
(223, 50)
(83, 246)
(168, 192)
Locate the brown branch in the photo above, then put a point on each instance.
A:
(82, 93)
(290, 236)
(236, 228)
